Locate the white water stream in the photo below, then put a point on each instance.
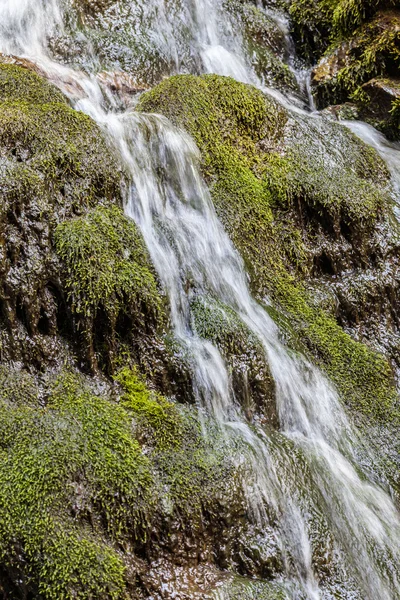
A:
(187, 243)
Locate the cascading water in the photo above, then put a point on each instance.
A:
(193, 254)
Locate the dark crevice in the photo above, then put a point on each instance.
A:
(43, 323)
(22, 315)
(323, 264)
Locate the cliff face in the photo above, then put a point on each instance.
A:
(114, 482)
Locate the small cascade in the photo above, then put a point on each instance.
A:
(192, 254)
(389, 151)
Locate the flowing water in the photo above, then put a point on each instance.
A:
(389, 151)
(193, 254)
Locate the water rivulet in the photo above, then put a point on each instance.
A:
(307, 477)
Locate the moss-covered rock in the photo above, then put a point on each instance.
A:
(290, 211)
(251, 379)
(54, 163)
(73, 269)
(97, 489)
(318, 23)
(109, 280)
(354, 42)
(70, 472)
(349, 71)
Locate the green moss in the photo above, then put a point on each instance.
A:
(192, 469)
(80, 499)
(19, 84)
(159, 418)
(106, 264)
(64, 145)
(362, 41)
(375, 51)
(321, 23)
(363, 376)
(254, 160)
(350, 14)
(312, 25)
(71, 475)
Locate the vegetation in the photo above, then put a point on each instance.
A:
(361, 41)
(251, 157)
(81, 491)
(107, 264)
(70, 472)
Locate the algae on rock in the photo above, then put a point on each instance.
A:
(96, 488)
(73, 267)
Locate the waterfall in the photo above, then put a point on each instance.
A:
(190, 249)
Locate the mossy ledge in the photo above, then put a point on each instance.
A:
(77, 284)
(273, 205)
(96, 488)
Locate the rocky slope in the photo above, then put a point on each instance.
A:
(112, 483)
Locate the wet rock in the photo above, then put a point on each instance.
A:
(296, 208)
(363, 68)
(323, 76)
(340, 112)
(265, 38)
(252, 381)
(122, 84)
(379, 102)
(55, 168)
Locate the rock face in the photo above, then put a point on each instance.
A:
(122, 481)
(109, 489)
(147, 44)
(363, 60)
(298, 211)
(54, 165)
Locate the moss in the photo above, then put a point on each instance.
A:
(90, 486)
(350, 14)
(375, 50)
(192, 469)
(363, 376)
(159, 418)
(71, 475)
(362, 41)
(312, 25)
(23, 85)
(320, 23)
(106, 263)
(65, 146)
(258, 172)
(55, 163)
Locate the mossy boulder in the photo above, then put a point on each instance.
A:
(372, 51)
(318, 23)
(76, 281)
(96, 489)
(54, 163)
(251, 379)
(291, 212)
(110, 283)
